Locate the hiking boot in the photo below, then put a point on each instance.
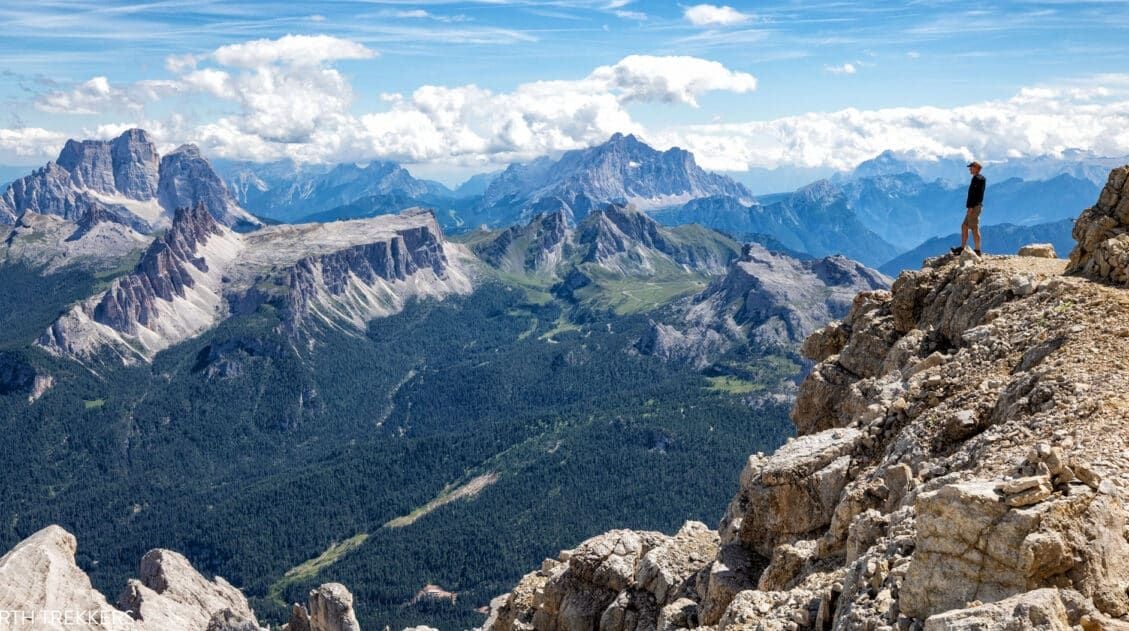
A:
(977, 252)
(957, 250)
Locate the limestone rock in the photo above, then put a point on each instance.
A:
(331, 609)
(39, 580)
(1041, 250)
(791, 493)
(971, 546)
(41, 584)
(1046, 609)
(620, 580)
(170, 594)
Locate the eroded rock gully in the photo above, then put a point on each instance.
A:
(961, 462)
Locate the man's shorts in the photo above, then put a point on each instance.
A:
(972, 218)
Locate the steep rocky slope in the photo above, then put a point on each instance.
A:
(961, 462)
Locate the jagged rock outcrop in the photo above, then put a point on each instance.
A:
(172, 294)
(619, 580)
(123, 180)
(41, 587)
(962, 463)
(329, 608)
(1102, 233)
(626, 240)
(535, 248)
(172, 595)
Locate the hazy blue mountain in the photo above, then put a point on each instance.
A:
(817, 220)
(761, 181)
(287, 191)
(997, 239)
(623, 170)
(905, 209)
(952, 171)
(476, 185)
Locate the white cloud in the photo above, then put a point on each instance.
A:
(670, 79)
(712, 15)
(31, 143)
(90, 97)
(305, 111)
(630, 15)
(295, 50)
(847, 68)
(1037, 121)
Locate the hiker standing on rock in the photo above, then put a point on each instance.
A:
(973, 205)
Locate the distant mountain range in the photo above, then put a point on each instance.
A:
(288, 191)
(1079, 164)
(622, 170)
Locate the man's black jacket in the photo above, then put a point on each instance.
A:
(976, 191)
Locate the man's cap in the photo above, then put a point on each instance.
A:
(974, 164)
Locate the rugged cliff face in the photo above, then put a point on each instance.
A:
(200, 272)
(961, 462)
(126, 181)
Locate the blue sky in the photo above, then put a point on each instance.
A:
(833, 80)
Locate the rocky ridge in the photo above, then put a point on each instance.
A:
(42, 588)
(961, 462)
(622, 170)
(200, 272)
(766, 298)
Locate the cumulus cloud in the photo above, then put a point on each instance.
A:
(295, 50)
(847, 68)
(712, 15)
(283, 106)
(305, 110)
(90, 97)
(31, 143)
(670, 79)
(1036, 121)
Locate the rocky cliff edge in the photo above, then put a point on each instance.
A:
(961, 462)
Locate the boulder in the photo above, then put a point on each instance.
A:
(972, 546)
(1040, 250)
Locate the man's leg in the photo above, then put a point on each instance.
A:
(976, 237)
(964, 234)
